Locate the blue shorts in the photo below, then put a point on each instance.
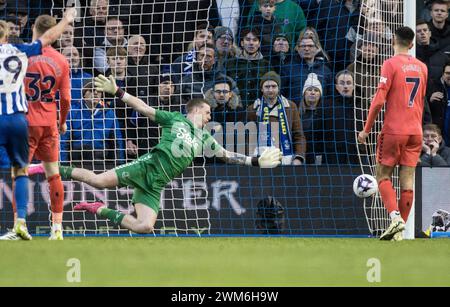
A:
(4, 159)
(14, 138)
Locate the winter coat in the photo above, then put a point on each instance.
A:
(442, 157)
(247, 72)
(92, 134)
(433, 57)
(437, 108)
(293, 118)
(294, 75)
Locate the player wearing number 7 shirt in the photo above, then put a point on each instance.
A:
(14, 106)
(402, 87)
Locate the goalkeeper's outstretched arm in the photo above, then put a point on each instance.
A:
(108, 85)
(270, 158)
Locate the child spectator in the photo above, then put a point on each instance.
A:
(117, 62)
(266, 23)
(93, 132)
(290, 14)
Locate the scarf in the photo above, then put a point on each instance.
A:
(265, 129)
(189, 61)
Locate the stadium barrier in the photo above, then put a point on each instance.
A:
(316, 201)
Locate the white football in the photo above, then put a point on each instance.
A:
(365, 186)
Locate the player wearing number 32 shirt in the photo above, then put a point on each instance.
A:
(47, 74)
(402, 88)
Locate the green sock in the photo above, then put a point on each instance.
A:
(65, 172)
(114, 216)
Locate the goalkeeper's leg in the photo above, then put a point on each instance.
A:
(104, 180)
(143, 222)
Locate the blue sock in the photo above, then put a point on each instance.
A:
(21, 195)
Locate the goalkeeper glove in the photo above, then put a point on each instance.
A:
(107, 85)
(270, 158)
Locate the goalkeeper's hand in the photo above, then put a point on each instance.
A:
(107, 85)
(270, 158)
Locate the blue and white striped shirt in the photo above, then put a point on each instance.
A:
(13, 67)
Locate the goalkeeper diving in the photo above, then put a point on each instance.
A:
(183, 138)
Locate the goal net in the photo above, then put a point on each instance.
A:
(138, 43)
(152, 48)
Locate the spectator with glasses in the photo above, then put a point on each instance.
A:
(226, 105)
(294, 74)
(225, 47)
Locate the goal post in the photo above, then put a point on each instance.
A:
(377, 25)
(410, 21)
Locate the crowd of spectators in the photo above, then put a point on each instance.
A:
(307, 66)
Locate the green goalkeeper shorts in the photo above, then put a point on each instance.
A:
(148, 178)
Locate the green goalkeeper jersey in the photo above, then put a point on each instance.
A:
(180, 142)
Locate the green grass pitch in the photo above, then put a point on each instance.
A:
(169, 261)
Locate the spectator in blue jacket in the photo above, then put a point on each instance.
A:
(78, 76)
(93, 132)
(294, 74)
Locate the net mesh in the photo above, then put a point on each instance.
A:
(377, 23)
(113, 38)
(152, 49)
